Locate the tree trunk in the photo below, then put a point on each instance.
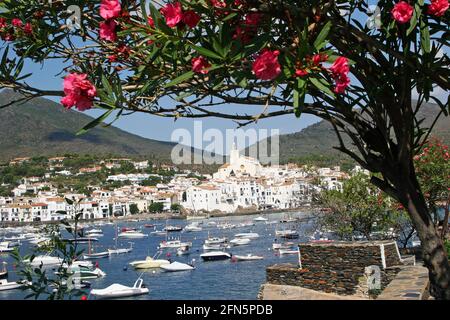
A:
(434, 253)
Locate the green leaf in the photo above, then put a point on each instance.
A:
(424, 37)
(414, 19)
(94, 123)
(319, 84)
(321, 39)
(180, 79)
(299, 97)
(206, 52)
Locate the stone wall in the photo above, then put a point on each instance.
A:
(337, 267)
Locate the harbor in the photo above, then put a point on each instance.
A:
(247, 246)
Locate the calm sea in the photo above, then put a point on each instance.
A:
(210, 280)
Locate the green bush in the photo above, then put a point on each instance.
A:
(447, 246)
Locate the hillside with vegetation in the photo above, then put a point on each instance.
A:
(314, 144)
(41, 127)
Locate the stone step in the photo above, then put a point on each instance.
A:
(411, 283)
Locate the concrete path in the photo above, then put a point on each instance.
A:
(283, 292)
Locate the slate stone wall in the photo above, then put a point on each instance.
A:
(336, 267)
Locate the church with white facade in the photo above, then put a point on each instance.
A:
(244, 183)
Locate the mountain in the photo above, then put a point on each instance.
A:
(43, 127)
(315, 143)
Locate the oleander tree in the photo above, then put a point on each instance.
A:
(433, 170)
(366, 70)
(360, 209)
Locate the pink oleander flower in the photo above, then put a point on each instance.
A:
(110, 9)
(319, 58)
(200, 65)
(339, 71)
(3, 23)
(28, 28)
(253, 19)
(402, 12)
(266, 65)
(173, 14)
(151, 22)
(300, 72)
(17, 23)
(79, 92)
(108, 30)
(218, 3)
(191, 19)
(438, 7)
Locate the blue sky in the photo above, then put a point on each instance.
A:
(153, 127)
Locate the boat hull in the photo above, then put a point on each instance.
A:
(119, 294)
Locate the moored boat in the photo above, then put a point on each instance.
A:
(174, 244)
(260, 219)
(288, 251)
(120, 291)
(215, 255)
(149, 263)
(240, 241)
(247, 235)
(132, 235)
(177, 266)
(5, 285)
(248, 257)
(216, 240)
(172, 228)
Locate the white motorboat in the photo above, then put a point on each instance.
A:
(216, 240)
(120, 250)
(246, 224)
(284, 245)
(94, 231)
(288, 234)
(96, 255)
(260, 219)
(287, 251)
(84, 272)
(247, 235)
(193, 227)
(240, 241)
(120, 291)
(132, 235)
(248, 257)
(149, 263)
(4, 247)
(174, 244)
(215, 255)
(159, 233)
(5, 285)
(225, 226)
(218, 246)
(177, 266)
(45, 260)
(172, 229)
